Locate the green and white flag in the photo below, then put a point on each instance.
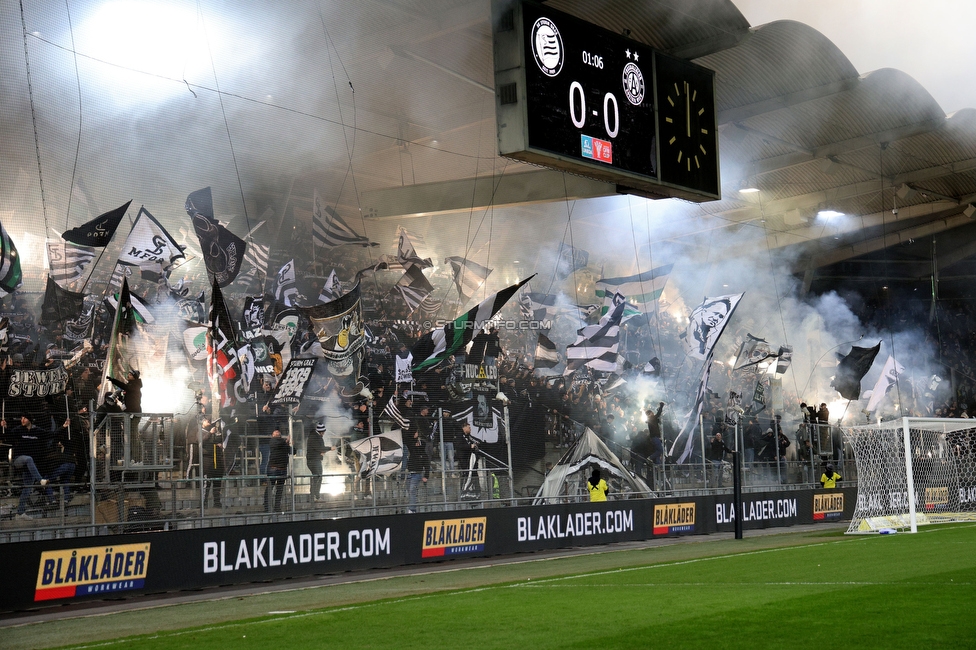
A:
(642, 290)
(438, 345)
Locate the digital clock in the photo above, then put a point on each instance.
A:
(580, 98)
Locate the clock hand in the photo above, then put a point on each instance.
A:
(688, 108)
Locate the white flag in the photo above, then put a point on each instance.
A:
(888, 378)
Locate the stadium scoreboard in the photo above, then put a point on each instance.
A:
(575, 97)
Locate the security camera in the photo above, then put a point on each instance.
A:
(894, 211)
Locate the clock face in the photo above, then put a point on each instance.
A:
(686, 111)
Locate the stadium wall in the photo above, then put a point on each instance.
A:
(57, 571)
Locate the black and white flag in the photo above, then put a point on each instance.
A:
(407, 254)
(546, 355)
(223, 251)
(332, 288)
(99, 231)
(413, 287)
(294, 381)
(392, 411)
(752, 352)
(468, 276)
(11, 275)
(329, 230)
(596, 346)
(148, 248)
(68, 261)
(379, 454)
(285, 288)
(707, 322)
(685, 440)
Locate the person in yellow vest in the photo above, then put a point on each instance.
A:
(829, 478)
(597, 486)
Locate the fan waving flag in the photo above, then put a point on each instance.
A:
(332, 288)
(707, 322)
(643, 289)
(60, 304)
(223, 365)
(329, 230)
(414, 287)
(285, 288)
(256, 255)
(68, 261)
(851, 370)
(570, 259)
(889, 377)
(436, 346)
(468, 276)
(407, 254)
(99, 231)
(223, 251)
(122, 326)
(148, 248)
(597, 346)
(545, 353)
(11, 276)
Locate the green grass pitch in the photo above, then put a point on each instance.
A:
(793, 590)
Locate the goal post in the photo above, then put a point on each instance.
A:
(913, 471)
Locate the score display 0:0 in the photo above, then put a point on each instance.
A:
(607, 100)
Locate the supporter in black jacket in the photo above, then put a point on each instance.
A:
(280, 450)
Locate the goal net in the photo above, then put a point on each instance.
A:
(913, 471)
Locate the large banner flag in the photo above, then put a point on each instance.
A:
(341, 332)
(60, 304)
(68, 261)
(407, 254)
(148, 248)
(707, 322)
(436, 346)
(887, 380)
(252, 316)
(380, 454)
(329, 230)
(223, 366)
(99, 231)
(413, 287)
(332, 288)
(685, 440)
(223, 251)
(851, 370)
(546, 355)
(643, 289)
(597, 346)
(285, 288)
(294, 381)
(468, 276)
(11, 275)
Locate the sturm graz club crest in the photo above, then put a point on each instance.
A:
(547, 47)
(633, 81)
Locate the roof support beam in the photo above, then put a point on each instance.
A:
(789, 100)
(538, 186)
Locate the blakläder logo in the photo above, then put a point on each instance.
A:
(674, 518)
(454, 536)
(72, 572)
(547, 47)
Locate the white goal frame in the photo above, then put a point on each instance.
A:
(913, 471)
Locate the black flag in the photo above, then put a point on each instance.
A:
(852, 369)
(223, 251)
(60, 304)
(99, 231)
